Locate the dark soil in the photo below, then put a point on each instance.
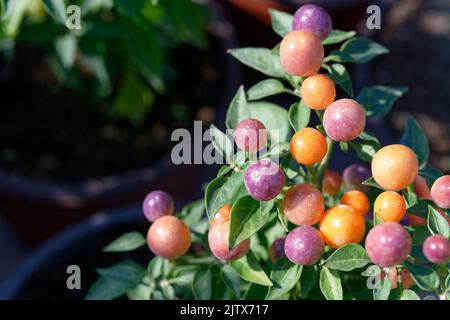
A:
(49, 132)
(417, 33)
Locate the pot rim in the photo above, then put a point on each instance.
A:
(99, 222)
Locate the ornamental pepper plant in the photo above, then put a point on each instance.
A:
(291, 228)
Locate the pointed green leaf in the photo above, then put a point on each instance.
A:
(262, 60)
(265, 88)
(337, 36)
(426, 278)
(340, 76)
(246, 219)
(222, 143)
(330, 284)
(299, 115)
(357, 50)
(415, 138)
(437, 224)
(250, 270)
(385, 287)
(281, 22)
(222, 191)
(231, 279)
(378, 100)
(237, 110)
(202, 285)
(347, 258)
(284, 276)
(126, 242)
(409, 295)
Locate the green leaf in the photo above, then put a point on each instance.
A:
(420, 209)
(299, 115)
(308, 279)
(430, 175)
(382, 293)
(202, 285)
(255, 292)
(290, 166)
(282, 217)
(134, 98)
(126, 272)
(222, 191)
(337, 36)
(127, 242)
(330, 284)
(158, 267)
(222, 143)
(231, 279)
(57, 9)
(192, 213)
(265, 88)
(284, 276)
(250, 270)
(357, 50)
(246, 219)
(3, 8)
(367, 147)
(66, 49)
(344, 146)
(143, 41)
(378, 100)
(14, 12)
(437, 224)
(321, 128)
(278, 150)
(237, 110)
(260, 59)
(409, 295)
(371, 182)
(340, 76)
(347, 258)
(140, 292)
(447, 283)
(106, 289)
(371, 271)
(224, 170)
(274, 118)
(415, 138)
(185, 277)
(281, 22)
(426, 278)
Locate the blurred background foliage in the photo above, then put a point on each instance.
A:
(119, 56)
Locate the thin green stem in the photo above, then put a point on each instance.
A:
(319, 114)
(323, 166)
(312, 174)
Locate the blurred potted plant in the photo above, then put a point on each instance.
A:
(88, 112)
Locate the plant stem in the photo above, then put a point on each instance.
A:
(410, 188)
(319, 114)
(312, 174)
(325, 162)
